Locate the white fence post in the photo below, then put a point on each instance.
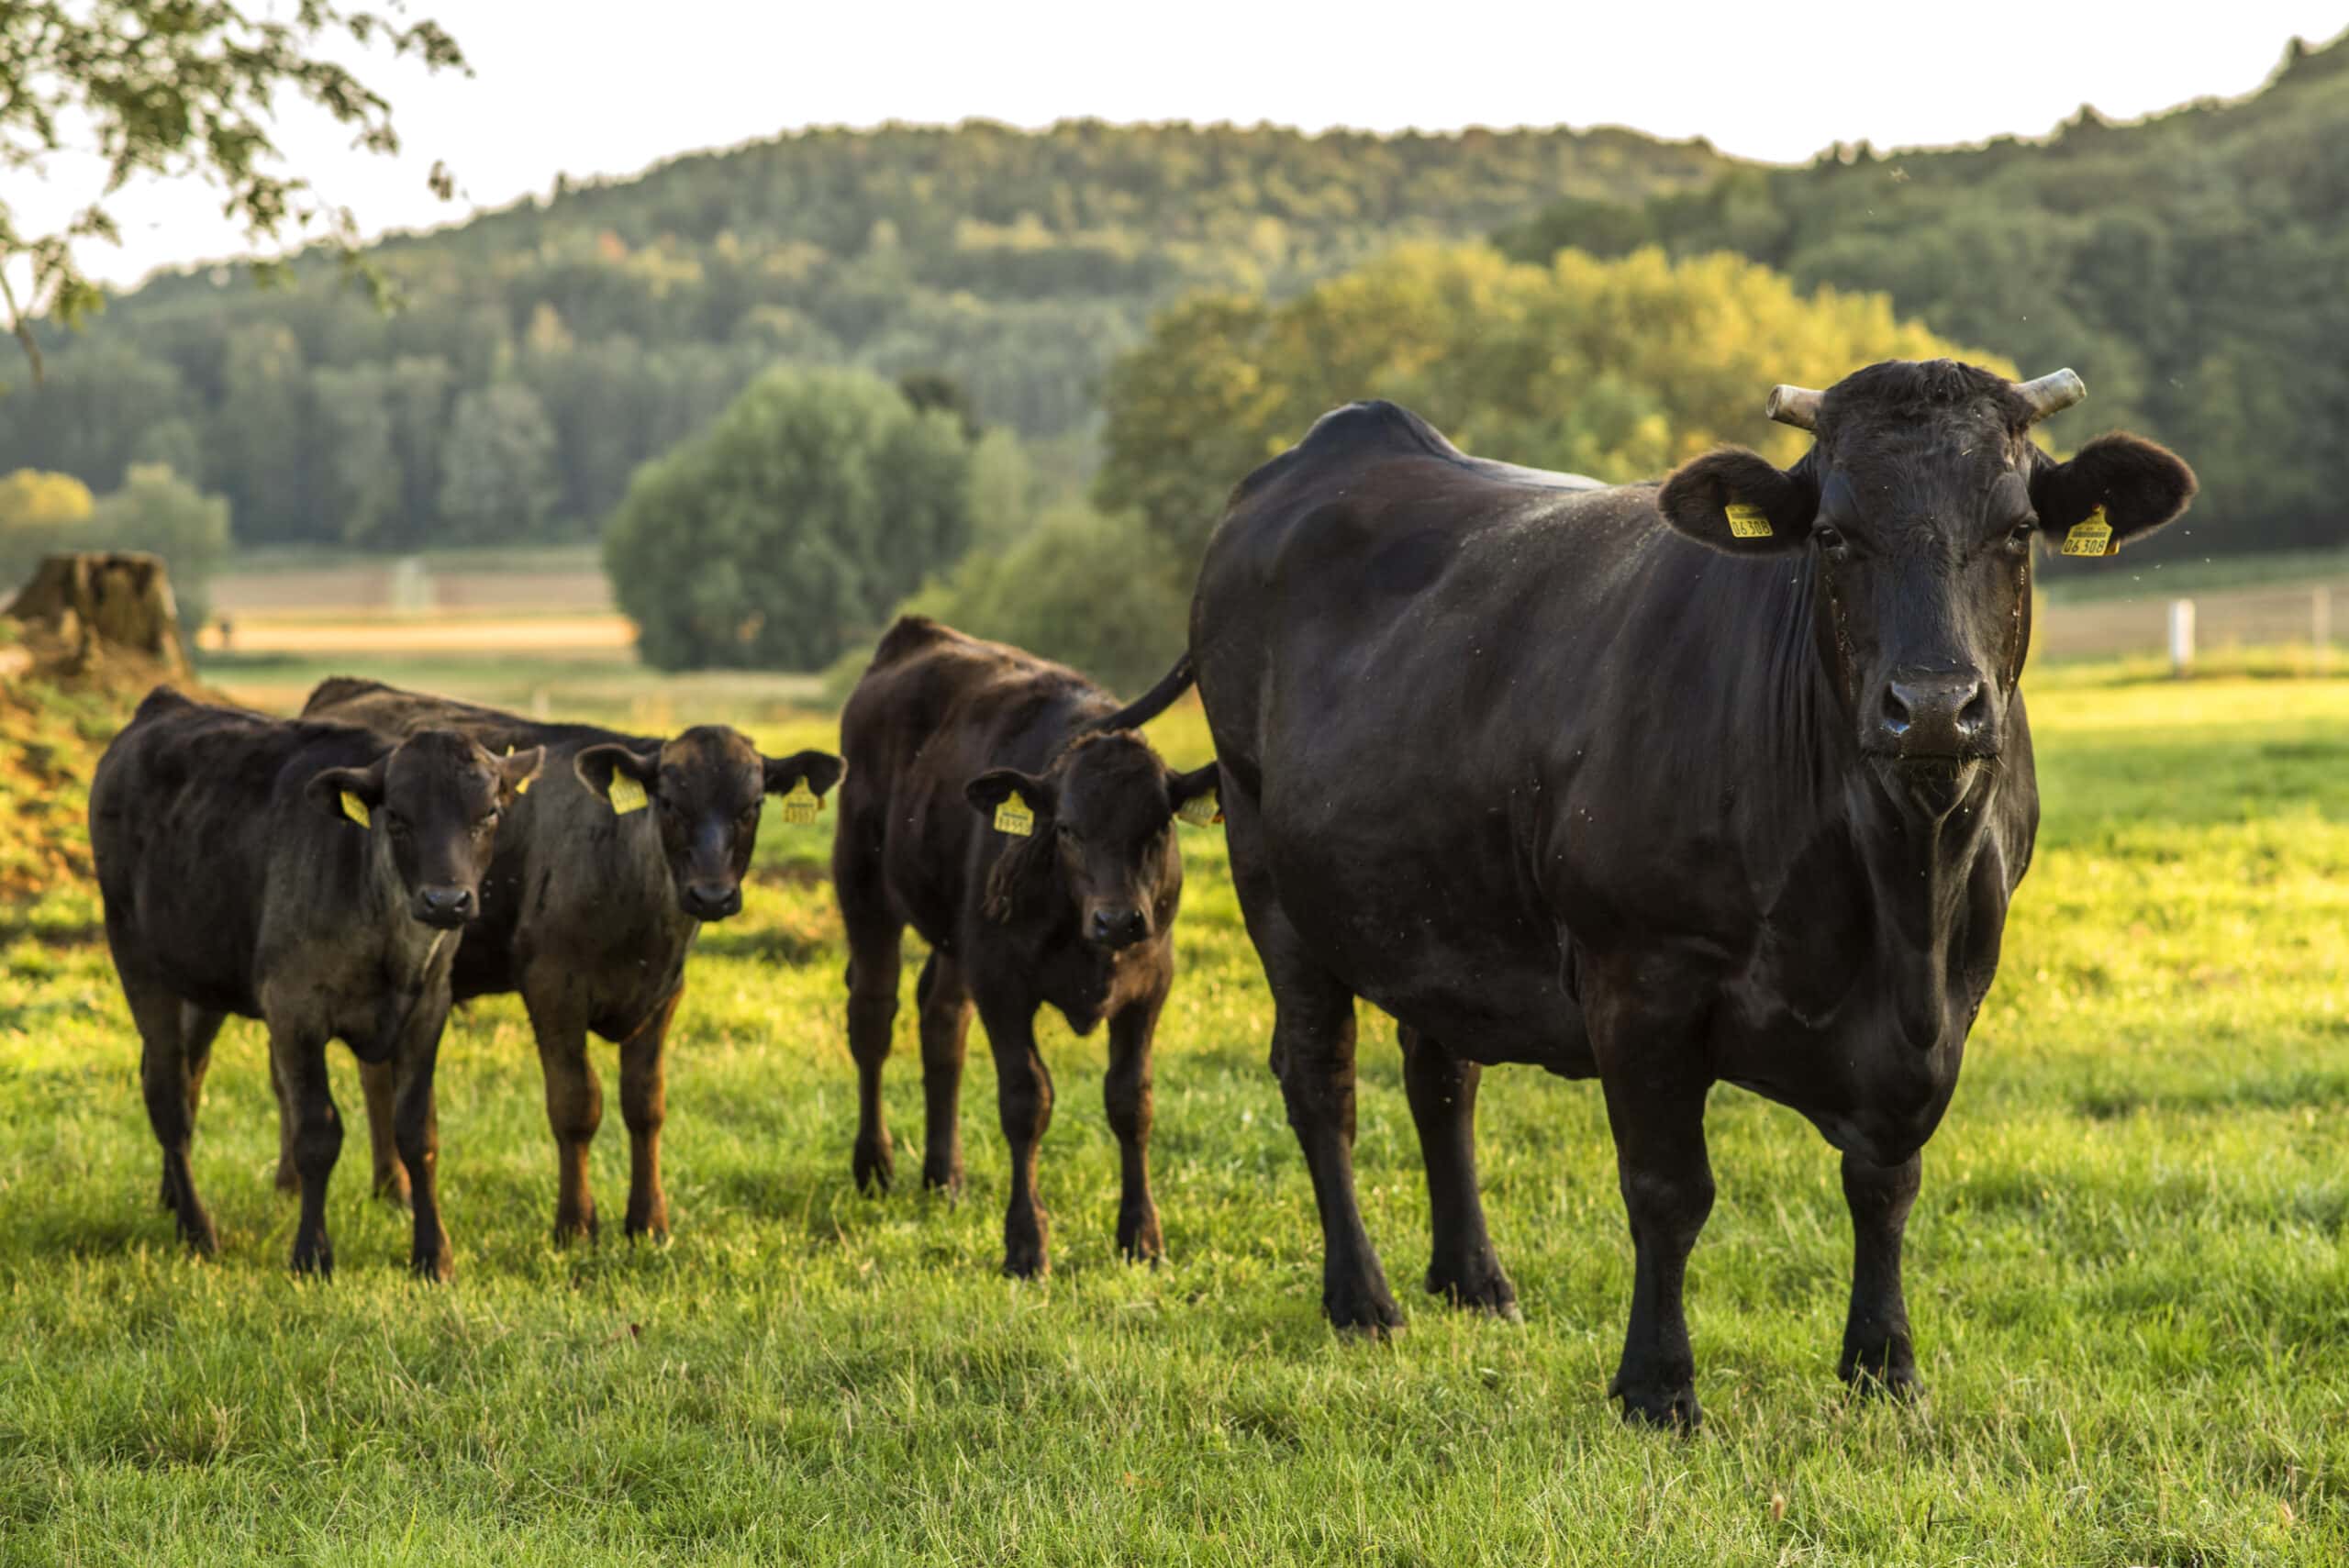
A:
(2181, 637)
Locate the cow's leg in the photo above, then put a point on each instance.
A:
(289, 1178)
(1656, 1104)
(945, 1004)
(644, 1106)
(170, 1088)
(874, 964)
(199, 1027)
(1313, 1057)
(1126, 1093)
(378, 1082)
(415, 1134)
(1024, 1099)
(574, 1110)
(299, 1059)
(1443, 1089)
(1876, 1349)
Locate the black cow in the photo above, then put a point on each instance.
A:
(1006, 808)
(313, 875)
(1724, 781)
(604, 877)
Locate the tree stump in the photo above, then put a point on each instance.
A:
(80, 608)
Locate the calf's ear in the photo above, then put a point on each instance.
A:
(1734, 501)
(821, 769)
(2138, 486)
(597, 766)
(351, 793)
(516, 769)
(994, 787)
(1199, 785)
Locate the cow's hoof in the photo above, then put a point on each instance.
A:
(434, 1267)
(1883, 1371)
(1488, 1291)
(945, 1180)
(314, 1258)
(578, 1226)
(651, 1222)
(875, 1167)
(197, 1234)
(1364, 1307)
(1662, 1406)
(1025, 1263)
(1139, 1238)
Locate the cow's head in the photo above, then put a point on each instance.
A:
(1099, 824)
(1919, 502)
(433, 801)
(702, 791)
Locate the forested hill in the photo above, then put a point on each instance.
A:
(2193, 267)
(546, 350)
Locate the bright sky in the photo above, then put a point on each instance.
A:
(606, 87)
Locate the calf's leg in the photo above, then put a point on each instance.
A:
(945, 1004)
(574, 1110)
(378, 1082)
(170, 1083)
(415, 1133)
(1024, 1099)
(1461, 1266)
(1127, 1094)
(299, 1058)
(644, 1106)
(874, 965)
(1878, 1354)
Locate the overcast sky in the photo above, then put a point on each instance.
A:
(599, 87)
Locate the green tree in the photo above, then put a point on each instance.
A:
(1617, 369)
(157, 511)
(792, 525)
(500, 482)
(1095, 593)
(179, 90)
(39, 512)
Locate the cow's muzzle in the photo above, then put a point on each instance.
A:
(706, 900)
(1113, 928)
(443, 907)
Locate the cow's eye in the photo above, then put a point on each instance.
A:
(2018, 537)
(1831, 538)
(1066, 834)
(395, 823)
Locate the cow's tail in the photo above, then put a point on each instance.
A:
(1156, 701)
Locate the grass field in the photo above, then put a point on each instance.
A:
(2126, 1270)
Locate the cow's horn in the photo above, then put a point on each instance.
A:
(1795, 406)
(2052, 394)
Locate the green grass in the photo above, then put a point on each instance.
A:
(2126, 1270)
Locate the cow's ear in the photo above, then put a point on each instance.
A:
(992, 788)
(516, 770)
(2136, 485)
(351, 794)
(1733, 500)
(1197, 791)
(598, 766)
(821, 769)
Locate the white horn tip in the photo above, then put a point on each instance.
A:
(1795, 406)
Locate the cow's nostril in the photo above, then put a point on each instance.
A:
(1896, 711)
(1975, 716)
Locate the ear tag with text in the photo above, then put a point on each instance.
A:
(354, 808)
(1014, 818)
(524, 788)
(2092, 537)
(801, 804)
(626, 794)
(1748, 521)
(1201, 810)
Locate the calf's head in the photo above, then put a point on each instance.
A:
(435, 799)
(1099, 828)
(702, 790)
(1918, 503)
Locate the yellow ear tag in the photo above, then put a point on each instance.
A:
(354, 808)
(2093, 536)
(524, 788)
(1748, 521)
(801, 804)
(626, 794)
(1201, 810)
(1014, 818)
